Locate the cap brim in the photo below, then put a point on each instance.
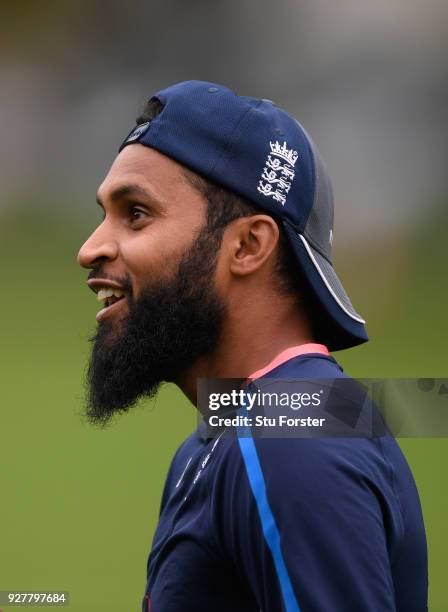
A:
(336, 322)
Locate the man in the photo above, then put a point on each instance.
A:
(213, 260)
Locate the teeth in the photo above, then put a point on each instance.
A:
(104, 294)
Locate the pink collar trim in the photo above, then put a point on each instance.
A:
(288, 354)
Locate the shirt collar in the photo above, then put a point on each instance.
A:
(289, 353)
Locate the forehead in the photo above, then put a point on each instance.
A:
(141, 166)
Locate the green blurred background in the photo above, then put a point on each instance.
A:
(78, 505)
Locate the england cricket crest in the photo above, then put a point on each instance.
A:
(278, 173)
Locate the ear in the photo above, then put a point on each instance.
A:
(250, 243)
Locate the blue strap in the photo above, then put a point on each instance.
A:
(270, 530)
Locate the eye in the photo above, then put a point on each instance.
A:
(136, 214)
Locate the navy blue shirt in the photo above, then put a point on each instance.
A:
(311, 525)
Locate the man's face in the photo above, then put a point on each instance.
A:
(155, 253)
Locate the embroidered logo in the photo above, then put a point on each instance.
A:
(137, 132)
(278, 173)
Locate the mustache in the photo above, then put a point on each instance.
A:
(123, 281)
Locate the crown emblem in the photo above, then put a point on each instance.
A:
(289, 155)
(277, 175)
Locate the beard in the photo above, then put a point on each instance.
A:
(167, 328)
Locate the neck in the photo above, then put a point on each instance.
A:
(248, 343)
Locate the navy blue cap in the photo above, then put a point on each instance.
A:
(262, 153)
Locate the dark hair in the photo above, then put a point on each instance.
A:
(224, 206)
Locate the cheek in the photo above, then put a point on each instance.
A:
(151, 256)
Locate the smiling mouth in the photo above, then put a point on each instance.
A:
(109, 296)
(111, 299)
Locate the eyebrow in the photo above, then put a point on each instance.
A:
(126, 191)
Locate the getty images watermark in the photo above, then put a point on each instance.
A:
(244, 402)
(338, 407)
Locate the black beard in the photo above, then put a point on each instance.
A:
(171, 324)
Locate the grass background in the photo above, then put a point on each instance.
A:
(78, 505)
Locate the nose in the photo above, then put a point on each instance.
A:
(98, 247)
